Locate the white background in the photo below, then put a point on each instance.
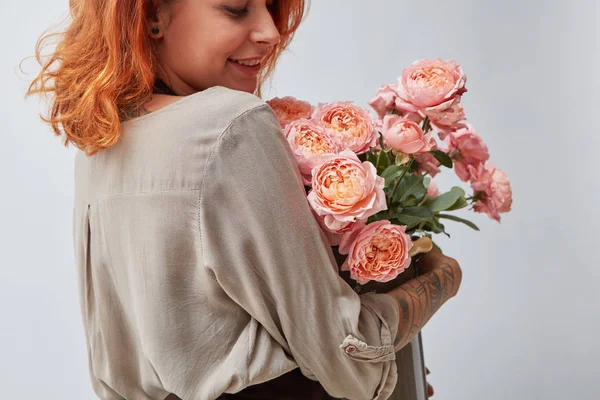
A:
(526, 322)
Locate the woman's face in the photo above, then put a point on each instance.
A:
(200, 39)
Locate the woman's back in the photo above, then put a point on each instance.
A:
(149, 311)
(202, 269)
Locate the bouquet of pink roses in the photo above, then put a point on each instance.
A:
(368, 176)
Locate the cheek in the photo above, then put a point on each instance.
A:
(203, 37)
(211, 49)
(230, 41)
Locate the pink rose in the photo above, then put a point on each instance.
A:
(309, 142)
(378, 124)
(449, 120)
(346, 190)
(432, 189)
(431, 86)
(386, 100)
(427, 163)
(406, 136)
(492, 189)
(466, 147)
(377, 251)
(288, 109)
(349, 125)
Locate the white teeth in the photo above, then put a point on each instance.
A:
(248, 63)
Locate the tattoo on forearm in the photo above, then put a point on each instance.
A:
(448, 276)
(423, 296)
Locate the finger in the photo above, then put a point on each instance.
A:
(431, 258)
(427, 371)
(421, 245)
(429, 390)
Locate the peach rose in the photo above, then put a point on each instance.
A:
(309, 142)
(349, 125)
(333, 229)
(288, 109)
(447, 121)
(377, 251)
(466, 147)
(406, 136)
(431, 86)
(346, 190)
(432, 189)
(492, 189)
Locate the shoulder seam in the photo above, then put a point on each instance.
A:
(229, 126)
(206, 164)
(220, 137)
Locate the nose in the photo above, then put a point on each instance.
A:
(265, 31)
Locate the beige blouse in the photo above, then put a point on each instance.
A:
(202, 269)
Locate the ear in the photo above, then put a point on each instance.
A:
(157, 17)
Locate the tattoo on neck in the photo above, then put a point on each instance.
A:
(139, 111)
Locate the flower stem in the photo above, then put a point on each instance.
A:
(426, 125)
(408, 165)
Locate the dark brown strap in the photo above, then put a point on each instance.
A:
(290, 386)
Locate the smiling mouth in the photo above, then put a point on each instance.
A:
(251, 64)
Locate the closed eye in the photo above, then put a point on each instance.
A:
(236, 12)
(240, 12)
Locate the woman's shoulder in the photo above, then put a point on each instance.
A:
(245, 110)
(217, 106)
(238, 113)
(201, 117)
(231, 103)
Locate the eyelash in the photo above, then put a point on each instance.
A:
(236, 12)
(239, 13)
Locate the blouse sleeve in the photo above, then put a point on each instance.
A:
(269, 254)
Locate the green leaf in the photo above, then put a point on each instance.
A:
(392, 172)
(446, 200)
(379, 216)
(460, 203)
(410, 186)
(413, 216)
(411, 201)
(372, 157)
(434, 226)
(458, 219)
(442, 157)
(381, 162)
(439, 228)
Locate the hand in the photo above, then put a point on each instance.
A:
(433, 259)
(429, 387)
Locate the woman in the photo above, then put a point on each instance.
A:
(202, 272)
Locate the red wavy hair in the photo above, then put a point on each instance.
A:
(106, 67)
